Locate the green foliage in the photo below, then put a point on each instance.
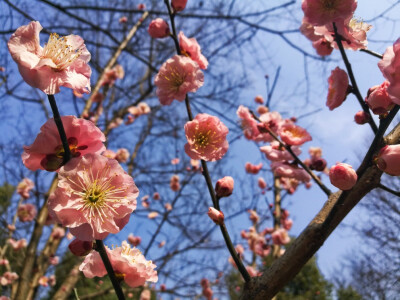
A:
(348, 293)
(309, 284)
(6, 192)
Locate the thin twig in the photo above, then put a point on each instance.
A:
(205, 172)
(373, 53)
(355, 89)
(104, 257)
(295, 157)
(389, 190)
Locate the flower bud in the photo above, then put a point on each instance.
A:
(158, 28)
(80, 248)
(318, 164)
(361, 117)
(216, 215)
(388, 160)
(224, 187)
(378, 99)
(343, 176)
(178, 5)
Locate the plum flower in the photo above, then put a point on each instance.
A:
(47, 152)
(343, 176)
(290, 171)
(338, 86)
(390, 68)
(128, 263)
(276, 153)
(294, 135)
(388, 160)
(206, 136)
(94, 197)
(178, 76)
(26, 212)
(378, 99)
(24, 187)
(63, 61)
(191, 48)
(321, 12)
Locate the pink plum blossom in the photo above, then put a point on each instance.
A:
(361, 117)
(390, 68)
(253, 169)
(261, 183)
(274, 152)
(122, 155)
(4, 262)
(128, 263)
(145, 295)
(54, 260)
(338, 87)
(174, 183)
(178, 76)
(134, 240)
(287, 223)
(353, 33)
(343, 176)
(191, 48)
(321, 12)
(152, 215)
(111, 75)
(168, 206)
(388, 160)
(123, 20)
(109, 153)
(216, 215)
(24, 187)
(58, 233)
(280, 237)
(378, 99)
(141, 6)
(47, 152)
(259, 99)
(17, 244)
(62, 62)
(26, 212)
(224, 186)
(158, 29)
(254, 217)
(175, 161)
(206, 136)
(282, 169)
(178, 5)
(323, 47)
(8, 278)
(262, 109)
(94, 197)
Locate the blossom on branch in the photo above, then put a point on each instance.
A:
(24, 187)
(343, 176)
(390, 68)
(338, 88)
(206, 136)
(388, 160)
(63, 61)
(47, 152)
(94, 197)
(191, 48)
(178, 76)
(128, 263)
(321, 12)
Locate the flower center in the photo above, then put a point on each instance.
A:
(175, 78)
(202, 139)
(329, 4)
(60, 51)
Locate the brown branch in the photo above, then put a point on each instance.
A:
(314, 235)
(68, 284)
(113, 60)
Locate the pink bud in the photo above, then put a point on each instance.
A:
(156, 196)
(323, 47)
(163, 287)
(178, 5)
(361, 117)
(224, 186)
(318, 164)
(134, 240)
(388, 160)
(80, 248)
(343, 176)
(262, 110)
(259, 99)
(158, 28)
(378, 99)
(261, 183)
(216, 215)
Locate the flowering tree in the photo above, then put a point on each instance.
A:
(131, 137)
